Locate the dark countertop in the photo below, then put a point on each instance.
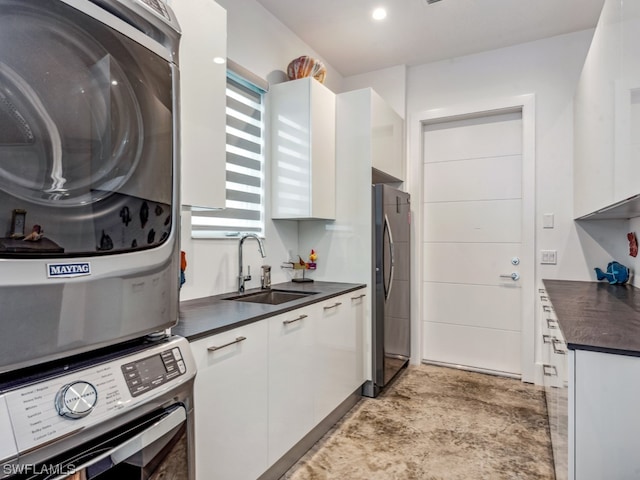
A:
(597, 316)
(202, 317)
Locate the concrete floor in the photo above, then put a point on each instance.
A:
(436, 423)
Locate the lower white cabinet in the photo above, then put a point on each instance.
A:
(338, 367)
(291, 383)
(231, 404)
(592, 403)
(606, 416)
(266, 385)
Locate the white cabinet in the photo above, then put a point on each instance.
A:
(263, 387)
(315, 363)
(291, 384)
(387, 138)
(202, 102)
(231, 404)
(370, 132)
(606, 416)
(607, 113)
(338, 347)
(592, 402)
(302, 150)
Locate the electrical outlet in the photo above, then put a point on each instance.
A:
(548, 257)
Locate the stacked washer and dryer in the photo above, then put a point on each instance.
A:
(91, 385)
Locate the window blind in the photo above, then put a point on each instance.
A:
(244, 207)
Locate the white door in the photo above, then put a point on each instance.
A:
(472, 242)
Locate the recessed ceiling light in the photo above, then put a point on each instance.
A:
(379, 14)
(218, 60)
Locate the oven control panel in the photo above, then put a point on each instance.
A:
(154, 371)
(59, 406)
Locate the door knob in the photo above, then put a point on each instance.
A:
(515, 261)
(513, 276)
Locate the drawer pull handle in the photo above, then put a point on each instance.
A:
(359, 297)
(237, 340)
(544, 298)
(552, 324)
(333, 306)
(542, 290)
(546, 338)
(549, 367)
(546, 308)
(559, 351)
(289, 322)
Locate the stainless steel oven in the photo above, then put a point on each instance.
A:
(89, 245)
(115, 414)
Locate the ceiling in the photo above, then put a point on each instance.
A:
(414, 32)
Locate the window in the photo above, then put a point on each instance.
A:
(244, 210)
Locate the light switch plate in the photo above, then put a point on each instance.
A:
(547, 220)
(548, 257)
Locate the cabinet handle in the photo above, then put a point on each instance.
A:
(544, 298)
(557, 350)
(237, 340)
(288, 322)
(546, 367)
(552, 324)
(333, 306)
(359, 297)
(546, 308)
(546, 338)
(542, 290)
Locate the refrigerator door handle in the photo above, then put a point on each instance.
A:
(387, 289)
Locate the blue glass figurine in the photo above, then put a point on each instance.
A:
(616, 273)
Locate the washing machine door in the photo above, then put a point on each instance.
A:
(86, 134)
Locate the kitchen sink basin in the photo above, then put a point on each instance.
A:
(271, 297)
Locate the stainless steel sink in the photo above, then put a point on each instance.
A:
(271, 297)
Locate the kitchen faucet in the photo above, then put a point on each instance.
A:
(242, 278)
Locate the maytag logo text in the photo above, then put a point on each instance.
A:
(55, 270)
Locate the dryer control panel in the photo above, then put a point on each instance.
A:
(49, 409)
(154, 371)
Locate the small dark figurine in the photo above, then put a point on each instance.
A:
(125, 216)
(105, 242)
(36, 234)
(616, 273)
(144, 214)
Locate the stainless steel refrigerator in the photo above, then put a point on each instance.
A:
(391, 318)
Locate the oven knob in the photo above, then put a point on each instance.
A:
(76, 400)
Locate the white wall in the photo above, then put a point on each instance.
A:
(550, 69)
(262, 44)
(390, 83)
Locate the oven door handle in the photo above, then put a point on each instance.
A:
(136, 443)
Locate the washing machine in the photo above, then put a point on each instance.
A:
(89, 165)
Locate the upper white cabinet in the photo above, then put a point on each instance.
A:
(371, 133)
(202, 101)
(387, 137)
(607, 113)
(303, 162)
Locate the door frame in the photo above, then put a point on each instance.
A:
(417, 121)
